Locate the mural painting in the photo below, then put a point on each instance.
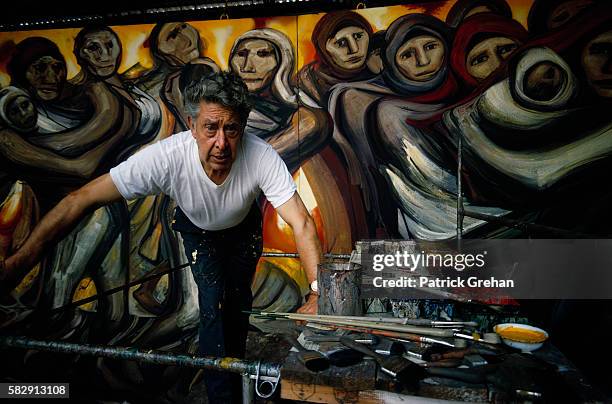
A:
(367, 109)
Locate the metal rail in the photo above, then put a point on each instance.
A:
(263, 373)
(233, 365)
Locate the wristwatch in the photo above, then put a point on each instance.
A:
(314, 287)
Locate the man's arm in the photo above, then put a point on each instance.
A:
(56, 224)
(305, 234)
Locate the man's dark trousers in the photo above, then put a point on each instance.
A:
(223, 265)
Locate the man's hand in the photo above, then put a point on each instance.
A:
(311, 305)
(307, 242)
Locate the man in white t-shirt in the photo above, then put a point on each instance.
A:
(214, 172)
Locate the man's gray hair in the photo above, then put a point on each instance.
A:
(225, 88)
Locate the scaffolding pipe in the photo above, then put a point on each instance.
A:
(233, 365)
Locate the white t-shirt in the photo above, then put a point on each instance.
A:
(172, 166)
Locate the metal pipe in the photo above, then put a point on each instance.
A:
(233, 365)
(248, 389)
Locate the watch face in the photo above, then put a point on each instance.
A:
(314, 286)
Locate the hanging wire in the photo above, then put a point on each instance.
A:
(225, 14)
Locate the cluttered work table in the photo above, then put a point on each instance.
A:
(346, 354)
(326, 368)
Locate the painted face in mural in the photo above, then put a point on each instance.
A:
(543, 81)
(217, 131)
(349, 47)
(255, 62)
(180, 42)
(486, 57)
(46, 75)
(100, 52)
(421, 57)
(374, 62)
(21, 113)
(597, 64)
(565, 12)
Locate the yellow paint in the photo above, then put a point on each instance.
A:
(132, 40)
(308, 197)
(27, 282)
(219, 36)
(522, 334)
(228, 362)
(291, 266)
(11, 207)
(86, 288)
(5, 79)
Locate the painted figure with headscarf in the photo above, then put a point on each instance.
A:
(546, 16)
(558, 154)
(482, 44)
(341, 41)
(264, 59)
(463, 9)
(17, 110)
(416, 83)
(528, 147)
(38, 67)
(173, 45)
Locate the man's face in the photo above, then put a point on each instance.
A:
(597, 64)
(349, 47)
(101, 53)
(21, 113)
(421, 57)
(255, 62)
(46, 76)
(486, 57)
(217, 131)
(179, 41)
